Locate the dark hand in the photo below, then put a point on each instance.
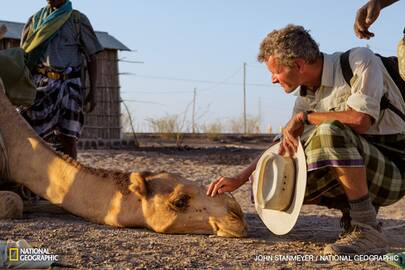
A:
(291, 132)
(90, 102)
(365, 17)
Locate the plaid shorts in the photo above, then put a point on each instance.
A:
(58, 107)
(333, 144)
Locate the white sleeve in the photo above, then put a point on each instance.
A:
(301, 105)
(367, 82)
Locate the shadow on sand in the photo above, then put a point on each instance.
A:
(321, 230)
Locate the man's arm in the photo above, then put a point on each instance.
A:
(91, 101)
(90, 46)
(228, 184)
(358, 121)
(367, 15)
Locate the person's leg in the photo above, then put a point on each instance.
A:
(358, 172)
(44, 114)
(68, 145)
(336, 155)
(71, 118)
(353, 181)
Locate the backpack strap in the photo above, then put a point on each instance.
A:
(391, 65)
(346, 68)
(385, 102)
(348, 75)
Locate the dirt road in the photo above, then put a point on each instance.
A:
(91, 246)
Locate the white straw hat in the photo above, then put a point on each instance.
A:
(279, 184)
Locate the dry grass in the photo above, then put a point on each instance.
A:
(252, 125)
(169, 127)
(213, 129)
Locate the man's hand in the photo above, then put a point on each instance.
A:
(90, 102)
(223, 184)
(294, 128)
(365, 17)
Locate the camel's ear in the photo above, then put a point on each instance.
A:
(138, 185)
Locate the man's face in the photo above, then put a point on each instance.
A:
(55, 3)
(287, 77)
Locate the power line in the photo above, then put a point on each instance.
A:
(130, 61)
(198, 81)
(143, 101)
(224, 80)
(143, 91)
(123, 59)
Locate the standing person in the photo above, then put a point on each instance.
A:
(346, 134)
(55, 40)
(366, 16)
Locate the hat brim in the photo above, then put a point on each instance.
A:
(281, 222)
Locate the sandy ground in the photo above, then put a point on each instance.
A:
(90, 246)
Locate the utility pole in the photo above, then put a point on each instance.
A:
(244, 98)
(193, 123)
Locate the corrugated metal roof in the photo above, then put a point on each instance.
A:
(110, 42)
(14, 30)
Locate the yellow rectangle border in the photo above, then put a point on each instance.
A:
(17, 252)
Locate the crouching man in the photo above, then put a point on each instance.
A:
(354, 150)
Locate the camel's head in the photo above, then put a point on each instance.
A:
(172, 204)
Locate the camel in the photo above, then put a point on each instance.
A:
(162, 202)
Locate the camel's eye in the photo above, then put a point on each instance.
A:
(181, 202)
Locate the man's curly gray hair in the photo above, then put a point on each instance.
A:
(288, 44)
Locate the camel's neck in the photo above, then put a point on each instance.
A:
(36, 166)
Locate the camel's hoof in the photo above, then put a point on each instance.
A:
(11, 205)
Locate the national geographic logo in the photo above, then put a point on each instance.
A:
(13, 254)
(30, 255)
(20, 254)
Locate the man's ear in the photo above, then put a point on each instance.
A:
(138, 185)
(300, 63)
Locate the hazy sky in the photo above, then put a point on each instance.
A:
(203, 44)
